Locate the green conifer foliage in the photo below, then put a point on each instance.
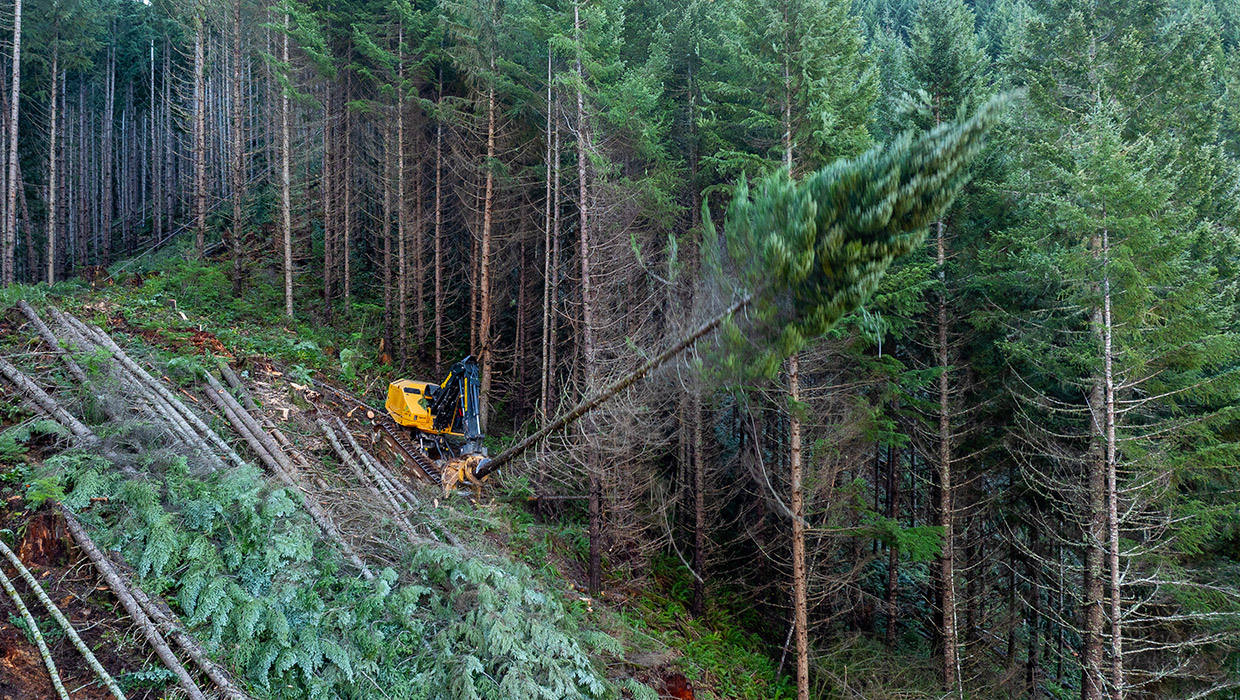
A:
(814, 250)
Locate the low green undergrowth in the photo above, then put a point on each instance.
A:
(720, 650)
(243, 566)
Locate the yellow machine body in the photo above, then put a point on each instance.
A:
(409, 405)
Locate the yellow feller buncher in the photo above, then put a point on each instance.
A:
(443, 419)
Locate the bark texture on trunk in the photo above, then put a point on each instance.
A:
(699, 506)
(946, 514)
(800, 602)
(238, 150)
(485, 348)
(200, 139)
(7, 256)
(286, 205)
(595, 485)
(53, 203)
(1117, 629)
(105, 157)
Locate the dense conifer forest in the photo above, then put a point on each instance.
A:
(962, 421)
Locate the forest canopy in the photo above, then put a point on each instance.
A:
(976, 432)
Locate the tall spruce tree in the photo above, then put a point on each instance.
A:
(947, 64)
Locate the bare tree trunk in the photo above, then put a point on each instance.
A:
(347, 170)
(519, 351)
(128, 151)
(168, 181)
(893, 552)
(105, 154)
(238, 150)
(402, 276)
(1117, 635)
(83, 185)
(545, 399)
(53, 203)
(1092, 674)
(157, 220)
(4, 169)
(419, 261)
(385, 230)
(595, 485)
(699, 506)
(286, 205)
(26, 226)
(554, 278)
(10, 224)
(200, 138)
(439, 305)
(947, 567)
(327, 187)
(1033, 570)
(484, 285)
(800, 601)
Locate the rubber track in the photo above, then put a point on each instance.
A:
(389, 427)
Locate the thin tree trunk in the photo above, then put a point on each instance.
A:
(286, 205)
(52, 200)
(419, 262)
(105, 154)
(1117, 636)
(893, 552)
(947, 571)
(10, 224)
(157, 219)
(800, 602)
(346, 242)
(200, 139)
(545, 398)
(1033, 570)
(699, 506)
(83, 186)
(385, 230)
(439, 301)
(595, 485)
(402, 277)
(484, 285)
(27, 226)
(1092, 674)
(32, 626)
(554, 278)
(168, 183)
(238, 150)
(327, 188)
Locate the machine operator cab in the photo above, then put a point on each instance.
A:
(448, 409)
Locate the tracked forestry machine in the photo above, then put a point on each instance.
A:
(440, 427)
(867, 212)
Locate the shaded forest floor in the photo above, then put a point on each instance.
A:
(80, 594)
(177, 315)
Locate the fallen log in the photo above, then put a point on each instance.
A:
(287, 477)
(604, 395)
(64, 623)
(399, 487)
(52, 341)
(104, 340)
(377, 490)
(161, 408)
(125, 596)
(34, 632)
(32, 391)
(234, 381)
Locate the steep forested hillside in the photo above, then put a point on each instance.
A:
(999, 462)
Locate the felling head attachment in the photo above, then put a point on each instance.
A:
(463, 470)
